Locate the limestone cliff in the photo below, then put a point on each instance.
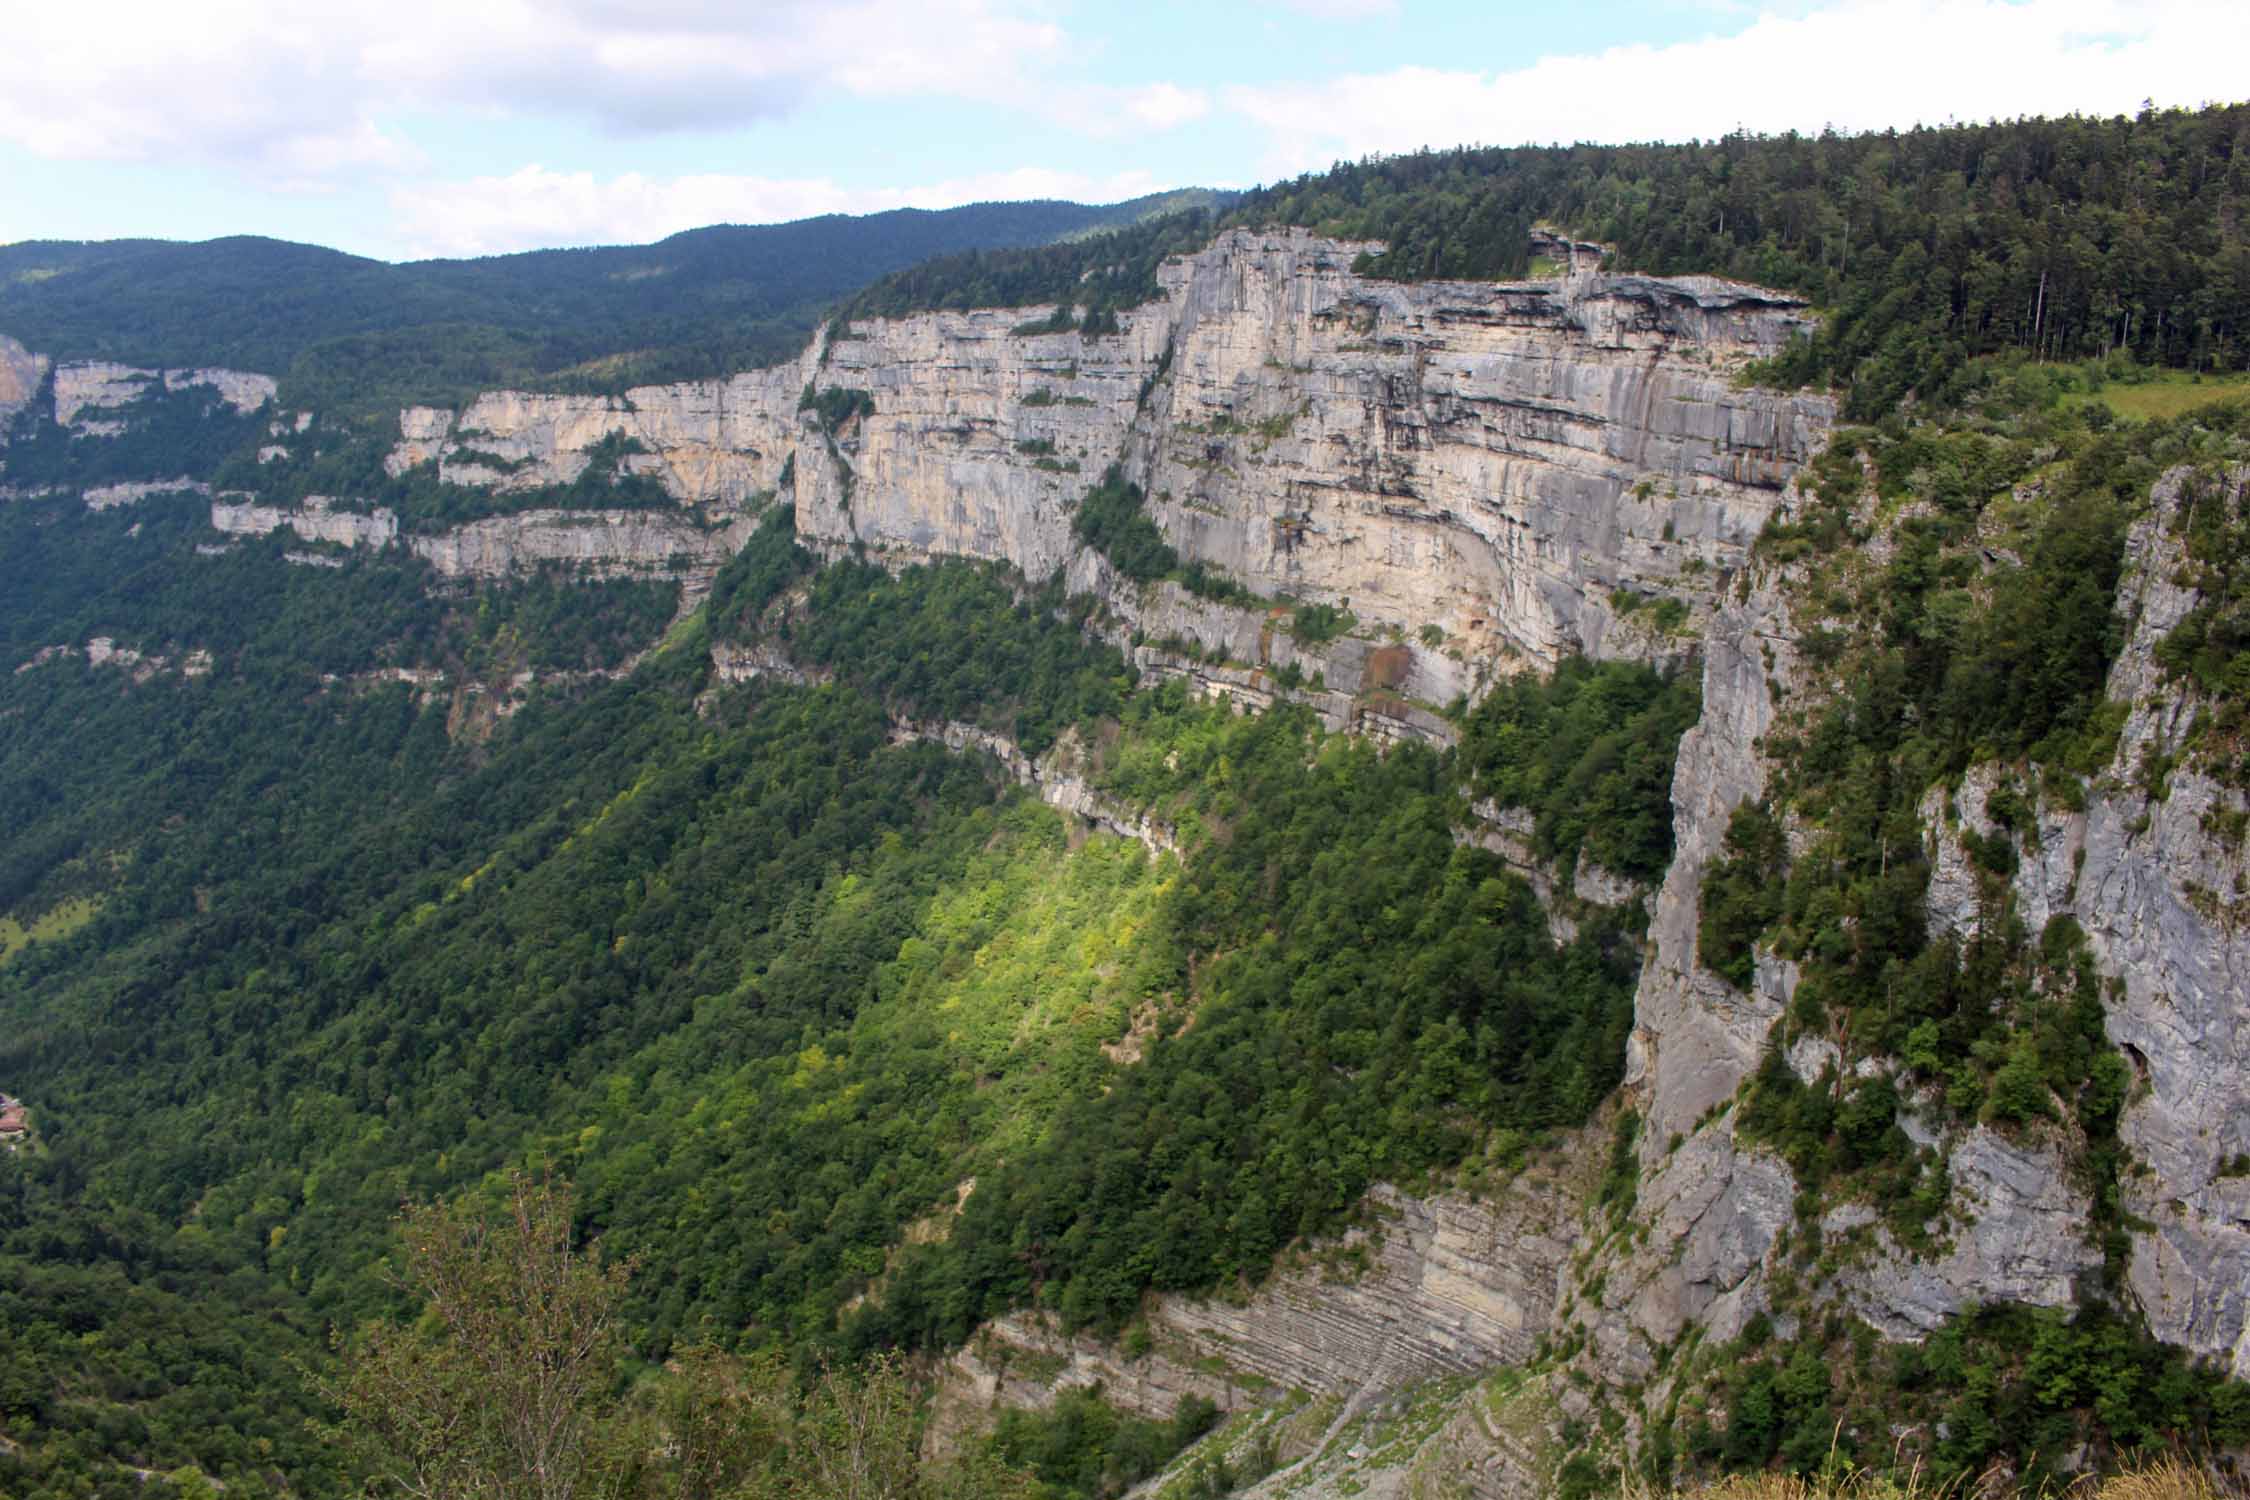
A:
(591, 544)
(92, 397)
(317, 520)
(2158, 886)
(606, 543)
(714, 443)
(2155, 887)
(1482, 474)
(1436, 1292)
(1487, 464)
(21, 374)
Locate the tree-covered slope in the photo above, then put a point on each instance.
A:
(770, 986)
(340, 326)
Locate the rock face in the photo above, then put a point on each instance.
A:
(592, 544)
(716, 443)
(1058, 778)
(317, 521)
(2023, 1240)
(1488, 463)
(1493, 461)
(1451, 1284)
(21, 373)
(602, 544)
(2160, 894)
(1483, 474)
(132, 492)
(106, 389)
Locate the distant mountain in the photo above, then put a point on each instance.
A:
(343, 326)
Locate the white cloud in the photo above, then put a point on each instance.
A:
(1862, 64)
(1164, 106)
(534, 206)
(308, 87)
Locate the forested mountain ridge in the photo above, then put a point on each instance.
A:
(338, 328)
(1551, 1093)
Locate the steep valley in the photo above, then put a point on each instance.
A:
(1449, 873)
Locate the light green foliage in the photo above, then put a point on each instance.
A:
(774, 988)
(509, 1385)
(1367, 997)
(58, 921)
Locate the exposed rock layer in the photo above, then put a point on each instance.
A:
(1485, 472)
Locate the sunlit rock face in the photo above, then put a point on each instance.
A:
(1491, 474)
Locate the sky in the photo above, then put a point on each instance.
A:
(405, 129)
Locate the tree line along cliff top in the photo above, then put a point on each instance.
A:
(1924, 249)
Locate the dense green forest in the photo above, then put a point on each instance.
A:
(766, 984)
(341, 330)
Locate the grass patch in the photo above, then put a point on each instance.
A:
(2162, 394)
(681, 629)
(58, 921)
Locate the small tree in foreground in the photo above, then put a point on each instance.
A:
(510, 1387)
(503, 1387)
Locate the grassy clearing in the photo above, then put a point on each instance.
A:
(680, 629)
(2163, 394)
(58, 921)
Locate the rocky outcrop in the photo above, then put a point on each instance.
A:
(2159, 890)
(597, 544)
(1490, 464)
(107, 389)
(1449, 1284)
(1483, 474)
(981, 440)
(2021, 1237)
(591, 544)
(317, 520)
(103, 651)
(2158, 887)
(1058, 778)
(1491, 461)
(714, 443)
(1695, 1037)
(21, 374)
(109, 496)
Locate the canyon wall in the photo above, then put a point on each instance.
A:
(1484, 475)
(1488, 478)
